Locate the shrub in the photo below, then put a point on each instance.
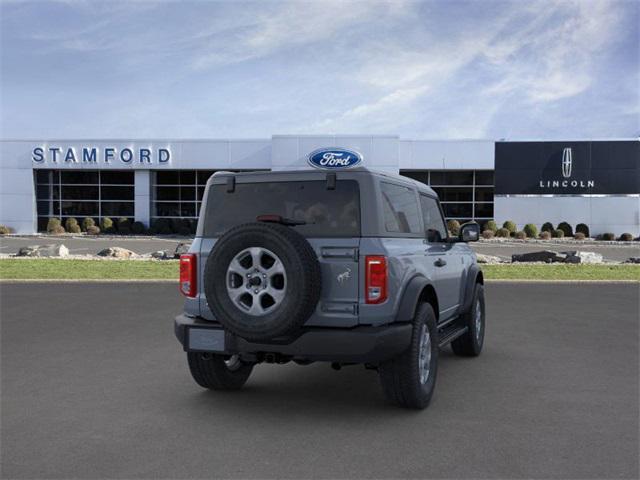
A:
(69, 222)
(547, 227)
(138, 228)
(93, 230)
(521, 235)
(491, 225)
(454, 227)
(511, 226)
(583, 228)
(557, 233)
(566, 228)
(488, 234)
(88, 222)
(52, 224)
(579, 236)
(531, 230)
(161, 226)
(503, 233)
(124, 226)
(106, 225)
(607, 236)
(5, 230)
(74, 229)
(57, 230)
(545, 235)
(626, 237)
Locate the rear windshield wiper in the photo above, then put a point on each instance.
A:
(289, 222)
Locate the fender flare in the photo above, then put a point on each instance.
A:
(472, 278)
(410, 297)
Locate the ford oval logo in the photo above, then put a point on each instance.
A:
(334, 158)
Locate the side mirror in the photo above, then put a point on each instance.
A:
(469, 232)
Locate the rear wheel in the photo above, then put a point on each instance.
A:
(409, 379)
(218, 372)
(470, 344)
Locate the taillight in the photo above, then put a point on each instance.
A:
(188, 274)
(376, 278)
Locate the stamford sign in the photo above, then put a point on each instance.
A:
(95, 155)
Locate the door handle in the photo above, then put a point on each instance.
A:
(440, 262)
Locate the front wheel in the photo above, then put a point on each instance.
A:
(218, 372)
(409, 379)
(470, 344)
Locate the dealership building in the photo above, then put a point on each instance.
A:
(596, 182)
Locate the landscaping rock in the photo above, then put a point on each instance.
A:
(53, 250)
(546, 256)
(490, 259)
(583, 257)
(161, 255)
(182, 247)
(116, 252)
(632, 260)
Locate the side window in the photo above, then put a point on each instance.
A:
(400, 208)
(433, 222)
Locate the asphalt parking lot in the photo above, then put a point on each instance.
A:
(94, 385)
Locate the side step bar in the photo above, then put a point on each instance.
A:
(450, 334)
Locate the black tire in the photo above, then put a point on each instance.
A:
(470, 344)
(400, 377)
(211, 371)
(301, 292)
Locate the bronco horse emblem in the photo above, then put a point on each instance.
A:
(344, 276)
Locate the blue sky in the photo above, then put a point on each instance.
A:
(422, 70)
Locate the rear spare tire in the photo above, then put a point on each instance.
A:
(262, 281)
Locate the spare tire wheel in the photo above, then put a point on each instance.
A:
(262, 280)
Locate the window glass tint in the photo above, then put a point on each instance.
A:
(117, 177)
(79, 209)
(419, 176)
(484, 194)
(433, 221)
(168, 177)
(400, 209)
(117, 209)
(484, 210)
(448, 177)
(454, 194)
(327, 213)
(42, 176)
(458, 210)
(80, 192)
(116, 193)
(78, 177)
(484, 177)
(188, 177)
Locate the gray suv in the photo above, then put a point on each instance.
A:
(347, 267)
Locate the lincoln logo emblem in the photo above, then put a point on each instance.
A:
(566, 162)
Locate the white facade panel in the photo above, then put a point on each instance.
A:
(446, 155)
(602, 214)
(142, 196)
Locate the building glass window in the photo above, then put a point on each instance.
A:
(178, 193)
(79, 194)
(464, 194)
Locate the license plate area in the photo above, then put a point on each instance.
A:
(206, 340)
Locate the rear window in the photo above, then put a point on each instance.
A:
(327, 213)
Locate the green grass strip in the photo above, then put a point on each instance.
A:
(61, 269)
(561, 272)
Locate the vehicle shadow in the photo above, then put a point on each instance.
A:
(309, 391)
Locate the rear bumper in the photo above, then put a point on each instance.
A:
(358, 345)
